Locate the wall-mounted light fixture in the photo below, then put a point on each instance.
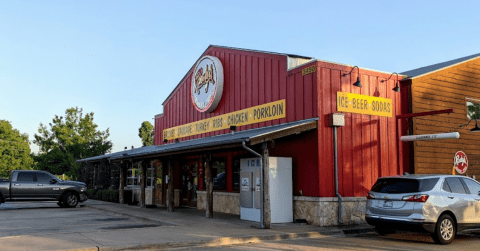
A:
(233, 128)
(475, 129)
(397, 87)
(165, 140)
(357, 83)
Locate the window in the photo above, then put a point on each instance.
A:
(150, 179)
(236, 174)
(44, 178)
(219, 175)
(133, 175)
(455, 185)
(473, 109)
(25, 177)
(445, 187)
(473, 186)
(401, 185)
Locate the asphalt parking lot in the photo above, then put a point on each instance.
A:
(46, 226)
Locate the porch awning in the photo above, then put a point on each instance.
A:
(224, 141)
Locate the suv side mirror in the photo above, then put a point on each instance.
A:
(53, 181)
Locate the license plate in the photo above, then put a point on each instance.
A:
(388, 204)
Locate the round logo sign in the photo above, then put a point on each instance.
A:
(460, 162)
(207, 84)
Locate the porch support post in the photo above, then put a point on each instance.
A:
(143, 178)
(153, 165)
(229, 167)
(121, 192)
(170, 201)
(266, 187)
(209, 188)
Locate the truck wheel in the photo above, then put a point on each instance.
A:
(70, 200)
(445, 230)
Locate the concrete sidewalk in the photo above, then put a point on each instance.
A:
(190, 227)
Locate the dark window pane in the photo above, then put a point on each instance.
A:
(473, 186)
(427, 184)
(44, 178)
(399, 185)
(455, 185)
(446, 187)
(220, 176)
(236, 174)
(25, 176)
(396, 185)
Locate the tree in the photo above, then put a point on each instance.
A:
(14, 150)
(145, 132)
(69, 139)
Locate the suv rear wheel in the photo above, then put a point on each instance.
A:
(445, 230)
(70, 199)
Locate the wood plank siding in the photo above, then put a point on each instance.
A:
(444, 89)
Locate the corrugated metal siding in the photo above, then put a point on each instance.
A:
(367, 145)
(251, 78)
(441, 90)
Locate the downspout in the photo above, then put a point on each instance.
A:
(261, 180)
(340, 199)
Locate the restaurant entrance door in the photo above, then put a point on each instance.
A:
(189, 184)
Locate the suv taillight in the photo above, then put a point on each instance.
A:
(416, 198)
(370, 196)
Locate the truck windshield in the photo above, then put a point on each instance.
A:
(400, 185)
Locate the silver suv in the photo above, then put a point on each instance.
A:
(437, 204)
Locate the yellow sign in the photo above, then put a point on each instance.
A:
(308, 70)
(363, 104)
(252, 115)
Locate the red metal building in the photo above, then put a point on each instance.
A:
(368, 147)
(282, 104)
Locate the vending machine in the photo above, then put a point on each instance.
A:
(280, 189)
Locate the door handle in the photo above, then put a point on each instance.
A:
(451, 197)
(16, 184)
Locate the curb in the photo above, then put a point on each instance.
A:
(225, 241)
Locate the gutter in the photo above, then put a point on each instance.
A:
(340, 199)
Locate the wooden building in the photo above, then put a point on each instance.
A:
(448, 85)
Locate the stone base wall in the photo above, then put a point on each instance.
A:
(223, 202)
(136, 195)
(324, 211)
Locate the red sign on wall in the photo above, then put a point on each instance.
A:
(460, 162)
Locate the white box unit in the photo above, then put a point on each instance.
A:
(280, 189)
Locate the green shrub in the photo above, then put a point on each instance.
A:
(104, 195)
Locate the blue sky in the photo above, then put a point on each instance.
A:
(121, 59)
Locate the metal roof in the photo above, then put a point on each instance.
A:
(219, 140)
(110, 155)
(431, 68)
